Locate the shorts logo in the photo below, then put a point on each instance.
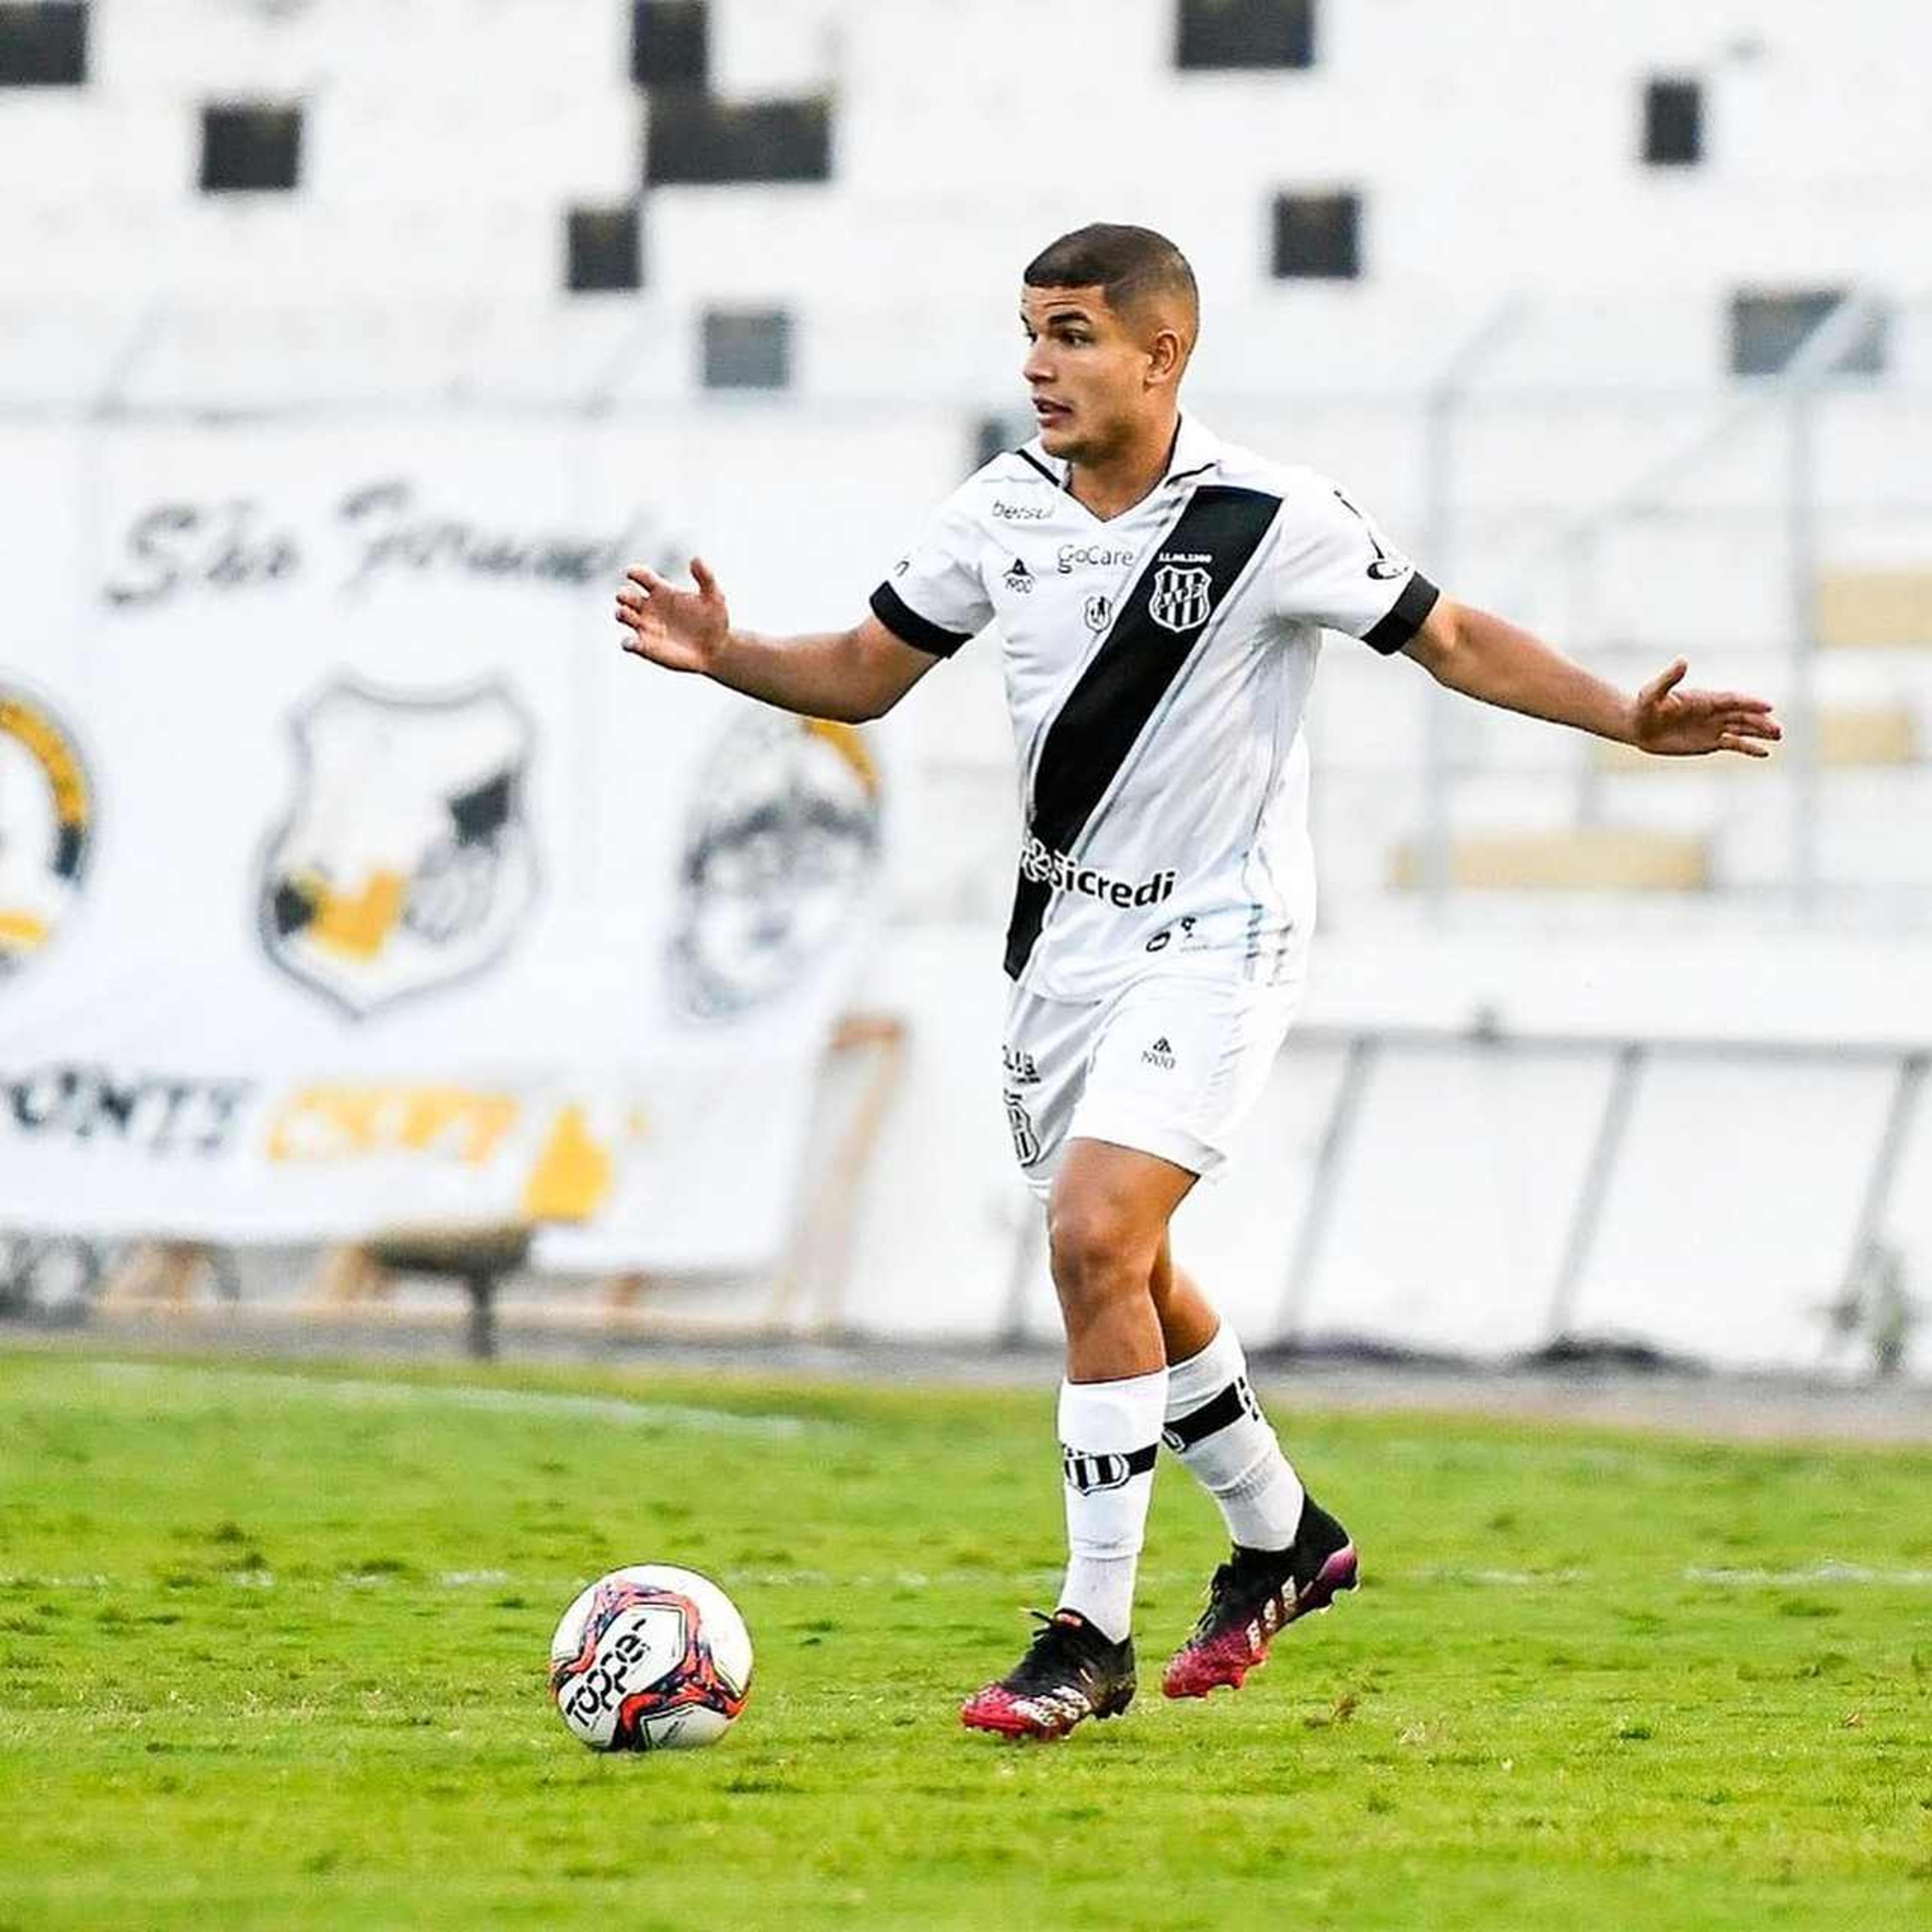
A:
(1160, 1055)
(1019, 578)
(1182, 598)
(1022, 1069)
(1090, 1473)
(1019, 1123)
(405, 863)
(46, 826)
(1096, 613)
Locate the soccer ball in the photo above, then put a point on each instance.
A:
(650, 1658)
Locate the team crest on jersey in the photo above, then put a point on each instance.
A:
(405, 863)
(1096, 613)
(46, 826)
(782, 842)
(1181, 598)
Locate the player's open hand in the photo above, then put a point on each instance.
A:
(683, 630)
(1679, 724)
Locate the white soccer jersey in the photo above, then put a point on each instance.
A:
(1157, 666)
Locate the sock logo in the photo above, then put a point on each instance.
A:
(1090, 1472)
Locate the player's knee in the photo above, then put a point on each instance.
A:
(1097, 1255)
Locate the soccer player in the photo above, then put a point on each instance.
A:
(1160, 596)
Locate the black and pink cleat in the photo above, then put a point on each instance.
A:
(1254, 1597)
(1072, 1673)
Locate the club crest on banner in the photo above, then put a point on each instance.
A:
(46, 825)
(782, 840)
(406, 863)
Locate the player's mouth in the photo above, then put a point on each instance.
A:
(1050, 413)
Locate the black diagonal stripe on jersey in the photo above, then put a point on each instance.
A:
(1122, 685)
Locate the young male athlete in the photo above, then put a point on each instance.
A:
(1161, 596)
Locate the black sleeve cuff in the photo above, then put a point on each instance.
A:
(909, 627)
(1410, 613)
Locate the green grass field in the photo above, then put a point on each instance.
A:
(272, 1649)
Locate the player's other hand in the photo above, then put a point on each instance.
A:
(683, 630)
(1680, 724)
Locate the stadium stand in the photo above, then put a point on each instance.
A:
(327, 210)
(1650, 368)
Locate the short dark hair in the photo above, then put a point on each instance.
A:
(1125, 263)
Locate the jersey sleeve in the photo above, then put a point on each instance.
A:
(935, 598)
(1334, 568)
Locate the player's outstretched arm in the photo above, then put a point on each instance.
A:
(1483, 656)
(850, 676)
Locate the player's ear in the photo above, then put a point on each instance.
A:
(1164, 355)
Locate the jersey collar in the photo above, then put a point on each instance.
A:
(1196, 450)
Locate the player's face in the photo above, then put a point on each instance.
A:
(1088, 371)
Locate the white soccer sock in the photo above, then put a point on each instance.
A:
(1215, 1427)
(1109, 1436)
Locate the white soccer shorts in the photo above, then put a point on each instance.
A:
(1169, 1063)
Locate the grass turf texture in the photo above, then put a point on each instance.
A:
(272, 1646)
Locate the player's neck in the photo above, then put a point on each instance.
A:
(1114, 482)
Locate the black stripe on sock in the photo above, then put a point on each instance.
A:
(1089, 1471)
(1213, 1415)
(1122, 687)
(1410, 613)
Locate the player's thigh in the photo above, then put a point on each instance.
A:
(1178, 1064)
(1108, 1216)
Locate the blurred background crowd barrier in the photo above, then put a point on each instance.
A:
(352, 884)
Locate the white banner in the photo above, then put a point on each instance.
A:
(350, 875)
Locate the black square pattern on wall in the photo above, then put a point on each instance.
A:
(606, 249)
(693, 139)
(1673, 123)
(1769, 326)
(1317, 236)
(669, 42)
(44, 46)
(251, 147)
(747, 348)
(1217, 34)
